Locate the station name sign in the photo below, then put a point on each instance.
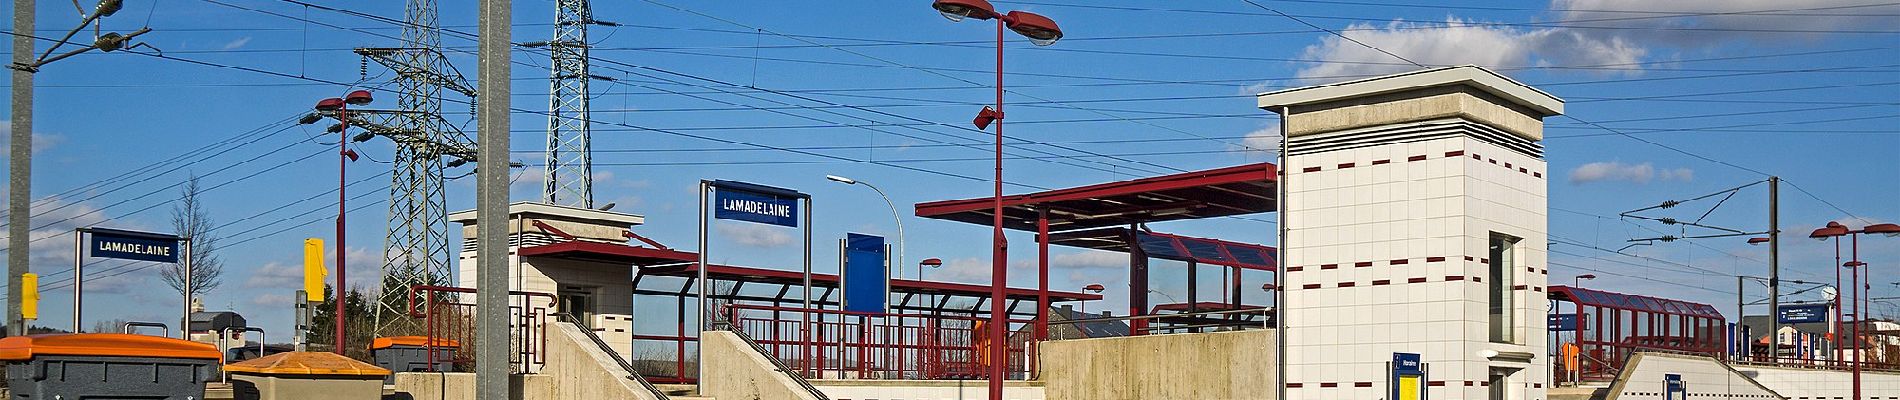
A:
(755, 203)
(113, 243)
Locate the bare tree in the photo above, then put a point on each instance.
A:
(190, 219)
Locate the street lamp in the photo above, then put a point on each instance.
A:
(1041, 31)
(894, 217)
(933, 263)
(339, 108)
(1834, 230)
(1095, 288)
(1577, 282)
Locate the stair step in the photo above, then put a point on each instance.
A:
(677, 390)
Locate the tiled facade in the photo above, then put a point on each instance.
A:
(610, 286)
(1387, 244)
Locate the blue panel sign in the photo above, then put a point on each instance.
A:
(1803, 313)
(755, 203)
(1563, 322)
(1673, 387)
(113, 243)
(1407, 363)
(865, 278)
(1408, 377)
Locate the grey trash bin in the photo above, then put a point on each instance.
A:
(107, 366)
(411, 354)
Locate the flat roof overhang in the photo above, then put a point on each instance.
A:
(1237, 190)
(675, 263)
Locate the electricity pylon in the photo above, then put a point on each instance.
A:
(569, 173)
(416, 245)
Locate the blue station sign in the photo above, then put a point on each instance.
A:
(755, 203)
(1563, 322)
(130, 245)
(1805, 313)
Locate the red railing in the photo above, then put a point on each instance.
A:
(877, 346)
(448, 318)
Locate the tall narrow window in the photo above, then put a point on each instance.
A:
(1503, 270)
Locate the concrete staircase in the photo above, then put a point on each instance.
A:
(1587, 391)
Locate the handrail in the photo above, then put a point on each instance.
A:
(631, 373)
(127, 328)
(1263, 311)
(720, 319)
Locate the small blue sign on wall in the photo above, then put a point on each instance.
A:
(130, 245)
(1673, 387)
(866, 281)
(1408, 377)
(755, 203)
(1563, 322)
(1803, 313)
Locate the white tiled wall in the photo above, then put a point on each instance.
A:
(1443, 206)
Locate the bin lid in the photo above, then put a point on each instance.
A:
(306, 363)
(417, 341)
(21, 348)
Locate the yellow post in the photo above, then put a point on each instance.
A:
(30, 296)
(313, 271)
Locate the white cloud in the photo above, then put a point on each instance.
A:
(1260, 141)
(237, 44)
(272, 301)
(1618, 171)
(1603, 33)
(1456, 42)
(753, 235)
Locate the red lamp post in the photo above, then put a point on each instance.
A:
(1095, 288)
(338, 108)
(1857, 268)
(1042, 32)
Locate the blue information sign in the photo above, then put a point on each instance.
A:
(755, 203)
(865, 277)
(1563, 322)
(113, 243)
(1408, 380)
(1673, 387)
(1804, 313)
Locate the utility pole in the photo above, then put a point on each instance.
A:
(20, 165)
(1774, 268)
(569, 176)
(491, 204)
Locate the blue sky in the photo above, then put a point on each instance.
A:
(1723, 91)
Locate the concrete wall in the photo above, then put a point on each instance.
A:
(734, 371)
(1703, 377)
(1220, 365)
(461, 386)
(582, 370)
(1803, 384)
(842, 389)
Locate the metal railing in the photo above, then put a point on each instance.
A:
(719, 320)
(1266, 315)
(127, 328)
(449, 320)
(624, 365)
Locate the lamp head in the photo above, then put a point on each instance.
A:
(1094, 288)
(1758, 240)
(330, 104)
(957, 10)
(1891, 230)
(840, 179)
(1040, 30)
(931, 262)
(1587, 276)
(358, 97)
(1832, 230)
(1268, 287)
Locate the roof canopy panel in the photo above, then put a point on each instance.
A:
(1592, 297)
(1238, 190)
(1173, 247)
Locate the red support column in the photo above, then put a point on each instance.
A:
(1137, 284)
(1042, 288)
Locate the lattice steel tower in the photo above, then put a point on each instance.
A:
(416, 246)
(569, 174)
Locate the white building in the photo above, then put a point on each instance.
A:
(1415, 219)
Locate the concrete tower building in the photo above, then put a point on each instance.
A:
(1415, 217)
